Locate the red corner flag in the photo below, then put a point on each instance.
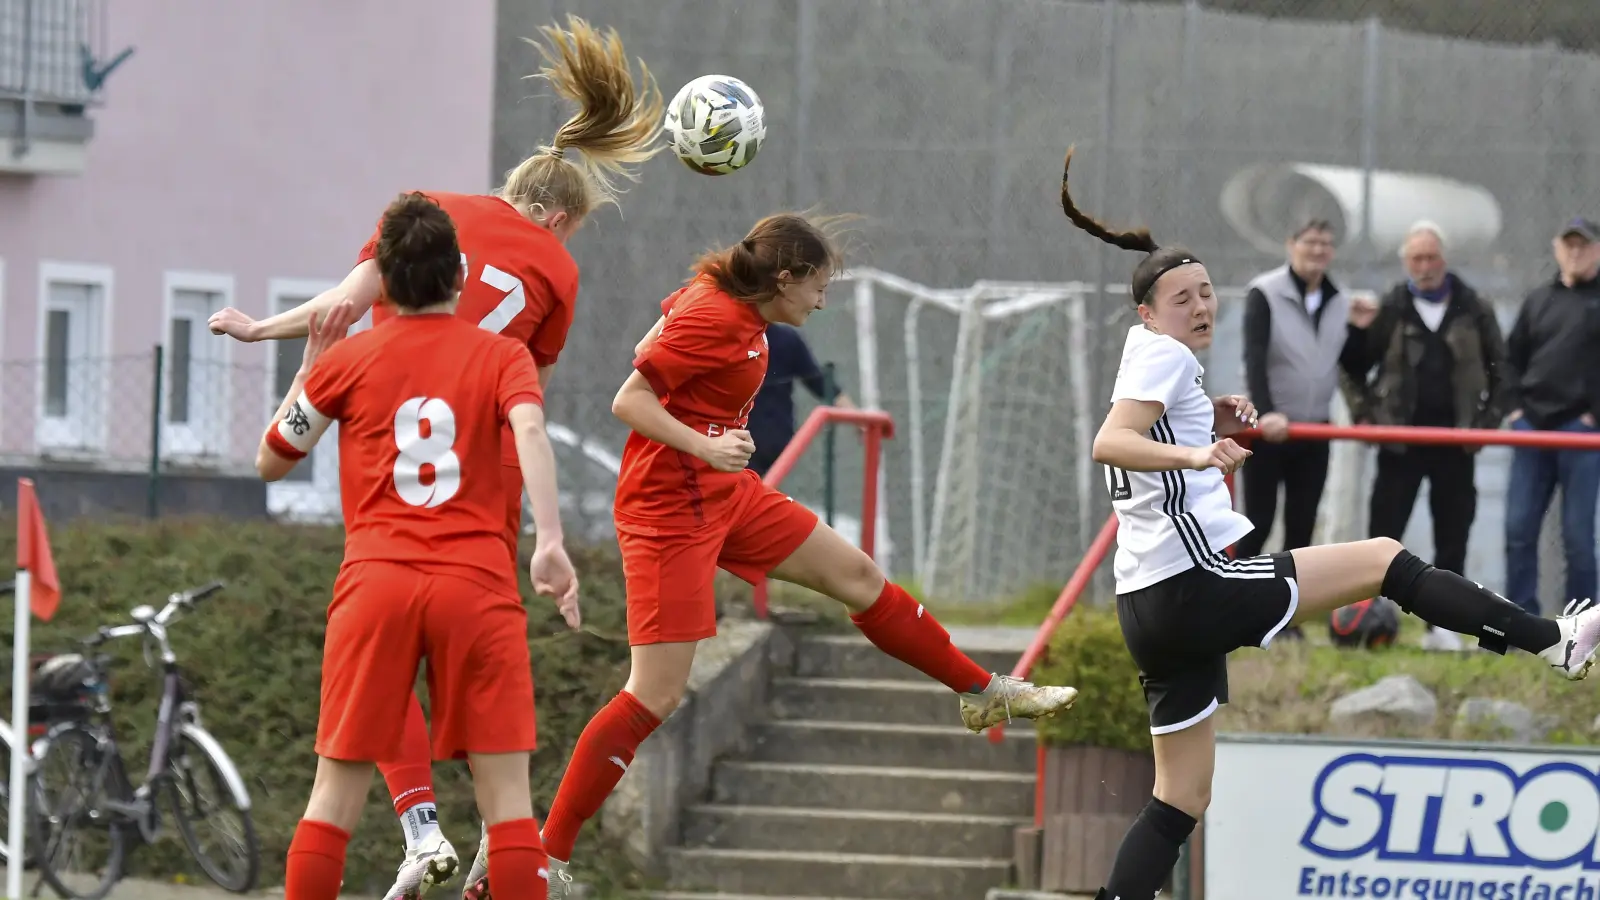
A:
(33, 553)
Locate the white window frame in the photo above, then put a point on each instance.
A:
(57, 272)
(317, 499)
(224, 287)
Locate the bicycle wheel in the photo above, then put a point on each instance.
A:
(82, 847)
(213, 820)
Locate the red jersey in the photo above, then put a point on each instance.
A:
(520, 280)
(706, 366)
(421, 402)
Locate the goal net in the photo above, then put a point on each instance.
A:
(988, 488)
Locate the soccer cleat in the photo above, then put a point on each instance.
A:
(561, 886)
(477, 886)
(430, 863)
(1008, 698)
(1580, 638)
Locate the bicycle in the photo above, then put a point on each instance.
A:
(93, 801)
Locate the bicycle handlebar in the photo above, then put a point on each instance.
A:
(154, 625)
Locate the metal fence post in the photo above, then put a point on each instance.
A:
(153, 483)
(1369, 149)
(829, 445)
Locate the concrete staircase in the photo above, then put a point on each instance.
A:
(862, 782)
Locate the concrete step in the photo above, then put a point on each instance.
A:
(849, 831)
(882, 788)
(909, 746)
(853, 656)
(865, 700)
(769, 872)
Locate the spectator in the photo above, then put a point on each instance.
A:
(772, 424)
(1553, 357)
(1436, 357)
(1294, 334)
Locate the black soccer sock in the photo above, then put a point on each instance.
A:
(1445, 599)
(1148, 853)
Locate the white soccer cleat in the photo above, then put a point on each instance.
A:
(433, 862)
(561, 886)
(1008, 698)
(1574, 654)
(477, 885)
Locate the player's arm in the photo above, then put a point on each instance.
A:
(360, 288)
(299, 423)
(637, 405)
(538, 462)
(1123, 440)
(1150, 382)
(652, 334)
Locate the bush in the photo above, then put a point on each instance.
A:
(253, 654)
(1087, 653)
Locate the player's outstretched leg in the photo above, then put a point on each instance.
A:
(430, 859)
(901, 627)
(1337, 574)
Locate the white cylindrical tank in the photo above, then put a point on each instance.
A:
(1264, 203)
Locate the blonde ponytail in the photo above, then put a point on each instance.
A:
(615, 128)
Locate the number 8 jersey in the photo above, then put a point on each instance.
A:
(520, 280)
(421, 402)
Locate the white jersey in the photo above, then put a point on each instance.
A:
(1169, 522)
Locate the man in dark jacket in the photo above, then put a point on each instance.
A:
(772, 419)
(1432, 356)
(1553, 354)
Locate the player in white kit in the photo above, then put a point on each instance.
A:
(1184, 605)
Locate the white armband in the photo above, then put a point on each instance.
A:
(302, 426)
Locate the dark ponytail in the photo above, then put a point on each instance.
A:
(749, 269)
(418, 254)
(1158, 260)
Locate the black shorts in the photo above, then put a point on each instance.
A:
(1181, 630)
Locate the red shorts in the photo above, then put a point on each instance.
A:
(669, 572)
(511, 474)
(384, 620)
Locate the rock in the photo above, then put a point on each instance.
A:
(1481, 716)
(1399, 697)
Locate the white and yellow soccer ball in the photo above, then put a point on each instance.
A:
(717, 124)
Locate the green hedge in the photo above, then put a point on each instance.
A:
(253, 654)
(1087, 652)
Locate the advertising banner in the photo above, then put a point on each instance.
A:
(1298, 817)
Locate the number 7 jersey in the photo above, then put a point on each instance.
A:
(422, 402)
(520, 280)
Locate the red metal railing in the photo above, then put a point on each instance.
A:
(876, 426)
(1371, 434)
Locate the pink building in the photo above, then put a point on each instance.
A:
(239, 157)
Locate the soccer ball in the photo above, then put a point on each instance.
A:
(717, 124)
(1373, 622)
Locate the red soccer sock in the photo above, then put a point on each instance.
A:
(410, 776)
(316, 862)
(517, 861)
(900, 627)
(613, 735)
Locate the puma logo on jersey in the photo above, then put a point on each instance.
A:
(752, 354)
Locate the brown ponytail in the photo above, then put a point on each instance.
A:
(749, 269)
(1158, 260)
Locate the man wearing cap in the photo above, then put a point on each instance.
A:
(1553, 358)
